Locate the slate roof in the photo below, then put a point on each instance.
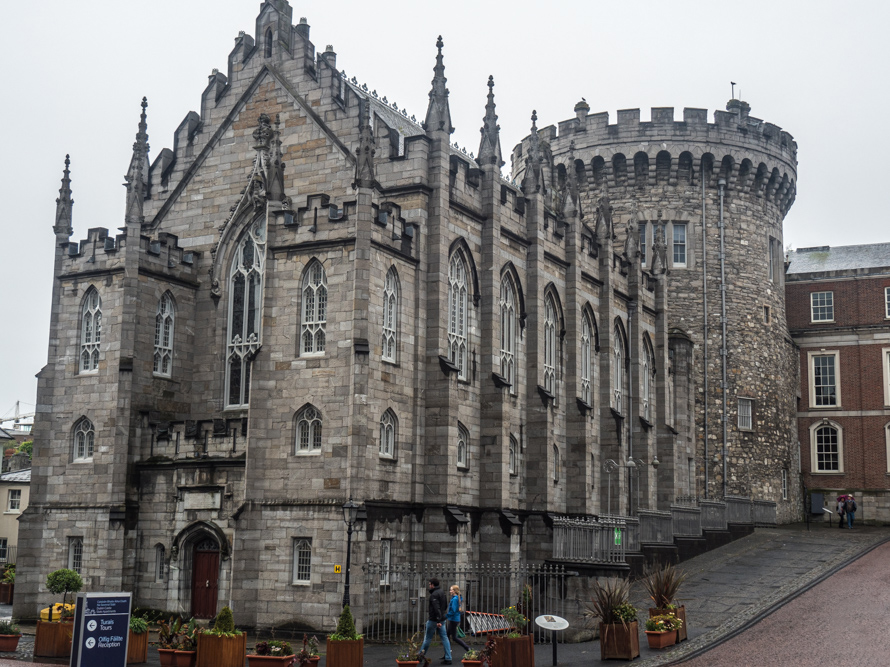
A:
(20, 476)
(840, 258)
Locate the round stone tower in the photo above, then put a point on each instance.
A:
(669, 177)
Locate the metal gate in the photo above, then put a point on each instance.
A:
(396, 602)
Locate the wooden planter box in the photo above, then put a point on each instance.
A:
(137, 648)
(619, 641)
(679, 612)
(658, 640)
(271, 660)
(6, 592)
(9, 643)
(53, 640)
(216, 651)
(346, 653)
(519, 652)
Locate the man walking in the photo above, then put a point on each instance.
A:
(850, 509)
(438, 608)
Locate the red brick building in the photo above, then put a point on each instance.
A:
(838, 304)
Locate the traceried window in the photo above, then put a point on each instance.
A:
(315, 309)
(388, 427)
(75, 554)
(160, 569)
(463, 447)
(514, 454)
(385, 561)
(679, 244)
(828, 449)
(164, 320)
(84, 440)
(508, 332)
(586, 360)
(746, 414)
(824, 383)
(822, 306)
(390, 315)
(308, 431)
(90, 331)
(245, 312)
(549, 345)
(457, 314)
(302, 560)
(617, 370)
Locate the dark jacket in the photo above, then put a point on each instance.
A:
(438, 605)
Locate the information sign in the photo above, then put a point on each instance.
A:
(101, 630)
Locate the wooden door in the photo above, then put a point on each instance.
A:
(205, 579)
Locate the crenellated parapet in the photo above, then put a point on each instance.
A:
(754, 157)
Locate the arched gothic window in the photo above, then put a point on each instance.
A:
(457, 314)
(587, 367)
(315, 309)
(84, 440)
(508, 332)
(648, 381)
(388, 428)
(90, 332)
(617, 370)
(268, 44)
(390, 315)
(164, 322)
(160, 570)
(308, 431)
(302, 560)
(463, 447)
(556, 463)
(550, 345)
(245, 311)
(514, 454)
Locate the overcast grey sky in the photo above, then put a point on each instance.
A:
(77, 69)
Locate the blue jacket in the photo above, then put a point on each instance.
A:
(454, 609)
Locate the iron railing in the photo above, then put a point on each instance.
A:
(686, 521)
(738, 509)
(655, 527)
(764, 513)
(632, 540)
(396, 604)
(713, 514)
(589, 540)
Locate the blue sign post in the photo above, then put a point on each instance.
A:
(101, 630)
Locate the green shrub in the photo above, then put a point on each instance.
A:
(8, 626)
(345, 627)
(139, 626)
(64, 581)
(224, 626)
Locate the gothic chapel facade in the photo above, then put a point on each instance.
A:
(314, 298)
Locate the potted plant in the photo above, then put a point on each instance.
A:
(9, 635)
(409, 653)
(222, 645)
(516, 649)
(186, 654)
(271, 652)
(7, 584)
(51, 639)
(137, 645)
(661, 631)
(618, 627)
(662, 585)
(169, 640)
(308, 655)
(346, 648)
(474, 658)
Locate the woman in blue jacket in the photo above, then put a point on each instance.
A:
(453, 617)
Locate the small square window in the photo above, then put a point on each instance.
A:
(766, 315)
(746, 414)
(822, 306)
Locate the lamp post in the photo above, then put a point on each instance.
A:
(350, 514)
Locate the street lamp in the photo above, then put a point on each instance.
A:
(350, 515)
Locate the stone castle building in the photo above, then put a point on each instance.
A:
(315, 298)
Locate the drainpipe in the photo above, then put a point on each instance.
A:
(721, 184)
(704, 281)
(631, 333)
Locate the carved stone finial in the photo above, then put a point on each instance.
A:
(631, 243)
(659, 250)
(438, 113)
(533, 163)
(64, 203)
(604, 222)
(490, 145)
(364, 164)
(137, 174)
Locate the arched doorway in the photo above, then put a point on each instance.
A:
(205, 577)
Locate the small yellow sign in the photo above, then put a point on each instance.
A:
(337, 569)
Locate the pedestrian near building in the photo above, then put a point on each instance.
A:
(438, 610)
(850, 508)
(455, 609)
(841, 503)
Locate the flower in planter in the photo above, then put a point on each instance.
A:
(274, 647)
(309, 650)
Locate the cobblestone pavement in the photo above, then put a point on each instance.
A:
(727, 591)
